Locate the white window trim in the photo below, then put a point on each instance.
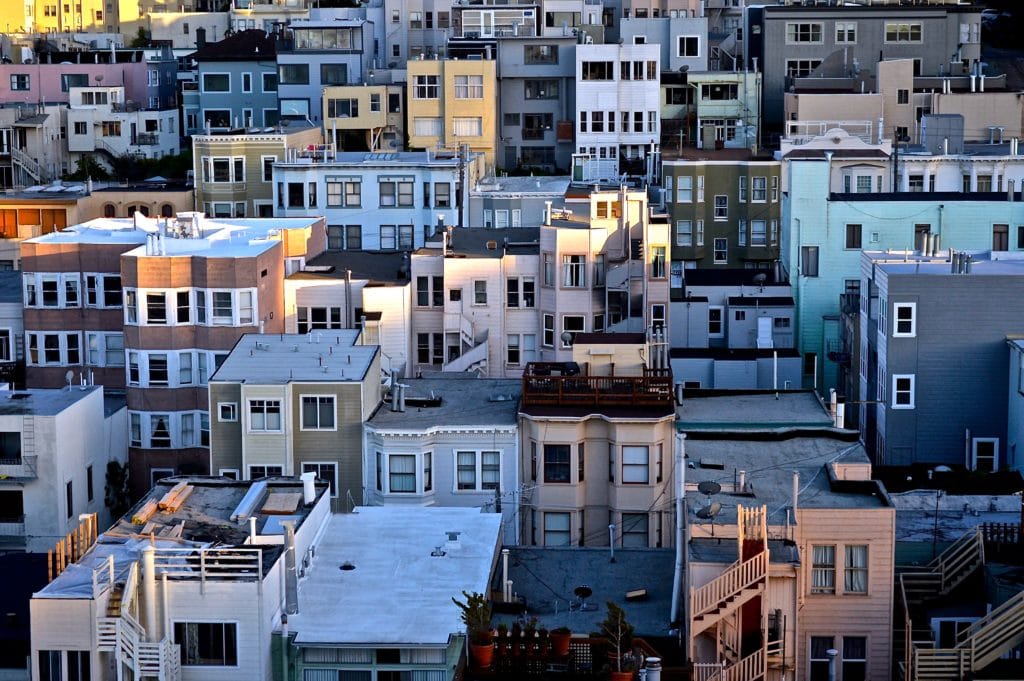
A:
(913, 391)
(478, 462)
(202, 82)
(974, 451)
(821, 32)
(230, 405)
(237, 473)
(264, 431)
(334, 401)
(303, 464)
(385, 472)
(896, 320)
(102, 345)
(101, 288)
(174, 419)
(62, 279)
(62, 348)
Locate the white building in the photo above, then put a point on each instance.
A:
(618, 103)
(447, 440)
(54, 450)
(101, 120)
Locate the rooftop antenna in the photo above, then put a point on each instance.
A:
(759, 279)
(712, 508)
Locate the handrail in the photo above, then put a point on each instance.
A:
(207, 563)
(28, 163)
(753, 666)
(739, 576)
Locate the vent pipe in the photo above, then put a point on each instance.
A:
(741, 486)
(796, 492)
(677, 578)
(308, 487)
(252, 529)
(149, 592)
(291, 580)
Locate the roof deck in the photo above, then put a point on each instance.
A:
(560, 384)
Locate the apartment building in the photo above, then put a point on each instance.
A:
(387, 201)
(1015, 408)
(266, 15)
(100, 121)
(792, 40)
(292, 404)
(155, 306)
(475, 303)
(538, 100)
(12, 330)
(681, 38)
(453, 104)
(314, 55)
(53, 465)
(236, 84)
(449, 440)
(37, 210)
(51, 79)
(188, 598)
(710, 110)
(414, 30)
(31, 149)
(182, 30)
(810, 532)
(618, 94)
(365, 117)
(597, 445)
(510, 201)
(725, 208)
(153, 198)
(915, 313)
(233, 169)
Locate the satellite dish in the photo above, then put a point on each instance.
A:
(709, 487)
(566, 338)
(710, 511)
(69, 376)
(760, 278)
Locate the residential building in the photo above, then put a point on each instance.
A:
(34, 211)
(538, 99)
(597, 456)
(510, 201)
(918, 310)
(412, 192)
(236, 84)
(267, 15)
(45, 17)
(800, 517)
(233, 169)
(710, 110)
(56, 445)
(792, 40)
(184, 30)
(414, 30)
(618, 122)
(12, 330)
(362, 290)
(1015, 409)
(150, 198)
(405, 559)
(447, 440)
(314, 55)
(681, 38)
(453, 104)
(281, 408)
(475, 302)
(164, 302)
(188, 598)
(100, 121)
(365, 117)
(32, 151)
(49, 80)
(725, 210)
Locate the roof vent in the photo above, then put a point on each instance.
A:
(347, 566)
(492, 245)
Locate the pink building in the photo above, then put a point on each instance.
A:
(51, 82)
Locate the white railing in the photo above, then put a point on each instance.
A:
(215, 563)
(753, 666)
(12, 527)
(469, 359)
(103, 577)
(28, 163)
(738, 577)
(801, 132)
(457, 322)
(707, 671)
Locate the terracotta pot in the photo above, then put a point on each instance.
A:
(482, 654)
(560, 643)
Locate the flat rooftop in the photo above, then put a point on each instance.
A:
(327, 356)
(396, 593)
(554, 185)
(381, 159)
(373, 267)
(752, 411)
(982, 263)
(486, 243)
(452, 400)
(548, 576)
(931, 515)
(42, 401)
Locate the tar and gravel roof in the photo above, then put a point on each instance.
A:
(329, 356)
(464, 401)
(397, 593)
(42, 402)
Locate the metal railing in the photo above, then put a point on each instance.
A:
(801, 132)
(12, 526)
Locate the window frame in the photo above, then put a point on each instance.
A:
(266, 404)
(183, 645)
(828, 587)
(318, 397)
(909, 391)
(897, 321)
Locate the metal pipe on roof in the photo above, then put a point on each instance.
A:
(680, 473)
(149, 592)
(291, 581)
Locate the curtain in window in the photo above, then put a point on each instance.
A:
(467, 127)
(467, 470)
(403, 473)
(427, 127)
(823, 574)
(856, 569)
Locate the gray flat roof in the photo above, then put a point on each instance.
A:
(982, 264)
(548, 576)
(42, 401)
(753, 411)
(464, 401)
(397, 593)
(472, 242)
(370, 266)
(491, 186)
(957, 513)
(328, 356)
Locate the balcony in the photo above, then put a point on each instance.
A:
(147, 139)
(12, 527)
(18, 469)
(542, 387)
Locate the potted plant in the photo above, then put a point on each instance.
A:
(560, 638)
(476, 615)
(618, 632)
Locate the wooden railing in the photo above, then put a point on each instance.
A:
(234, 564)
(946, 571)
(739, 576)
(751, 667)
(639, 391)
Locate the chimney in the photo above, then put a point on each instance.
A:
(547, 212)
(741, 486)
(149, 592)
(291, 580)
(401, 397)
(308, 487)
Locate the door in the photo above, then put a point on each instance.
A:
(985, 453)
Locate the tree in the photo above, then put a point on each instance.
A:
(141, 39)
(88, 167)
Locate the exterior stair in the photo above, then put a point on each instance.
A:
(726, 593)
(947, 571)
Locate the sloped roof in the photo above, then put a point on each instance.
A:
(248, 45)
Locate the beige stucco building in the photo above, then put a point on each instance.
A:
(364, 117)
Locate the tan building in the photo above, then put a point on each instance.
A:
(452, 103)
(790, 544)
(154, 306)
(151, 199)
(234, 170)
(34, 212)
(293, 404)
(596, 450)
(364, 117)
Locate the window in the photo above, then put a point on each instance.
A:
(574, 269)
(478, 470)
(853, 236)
(904, 320)
(520, 292)
(985, 453)
(467, 126)
(469, 87)
(803, 33)
(819, 658)
(635, 530)
(684, 189)
(549, 331)
(265, 415)
(757, 232)
(159, 431)
(556, 463)
(599, 269)
(716, 315)
(855, 579)
(557, 530)
(430, 291)
(742, 190)
(801, 68)
(846, 32)
(597, 70)
(425, 87)
(721, 252)
(58, 348)
(293, 74)
(207, 643)
(635, 465)
(479, 292)
(809, 261)
(1000, 237)
(20, 81)
(823, 569)
(318, 412)
(658, 262)
(855, 662)
(257, 472)
(325, 472)
(721, 207)
(227, 411)
(269, 82)
(688, 46)
(334, 74)
(542, 89)
(903, 391)
(720, 92)
(216, 82)
(540, 54)
(70, 80)
(50, 660)
(759, 189)
(903, 32)
(572, 325)
(246, 82)
(342, 108)
(395, 193)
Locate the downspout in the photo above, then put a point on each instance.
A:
(680, 456)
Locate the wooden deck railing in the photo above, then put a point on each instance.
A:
(739, 576)
(639, 391)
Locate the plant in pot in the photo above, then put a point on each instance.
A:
(560, 638)
(618, 632)
(476, 615)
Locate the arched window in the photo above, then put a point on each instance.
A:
(109, 210)
(144, 210)
(167, 211)
(130, 210)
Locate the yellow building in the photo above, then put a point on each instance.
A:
(55, 16)
(364, 117)
(453, 102)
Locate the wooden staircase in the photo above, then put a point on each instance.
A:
(947, 571)
(723, 595)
